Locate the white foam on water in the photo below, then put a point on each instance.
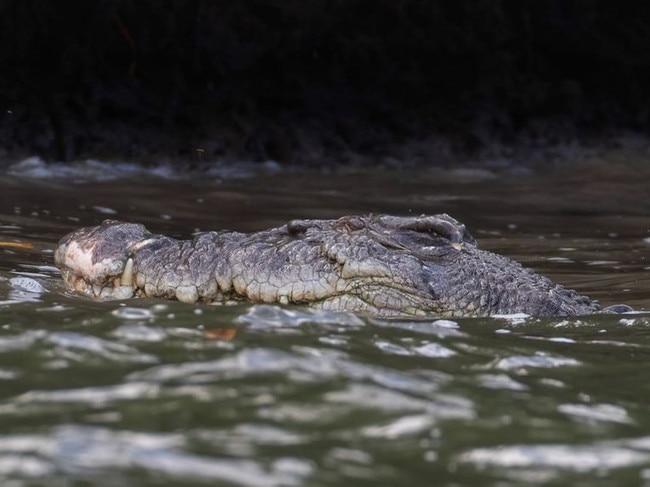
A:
(93, 170)
(88, 170)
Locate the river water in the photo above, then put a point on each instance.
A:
(153, 393)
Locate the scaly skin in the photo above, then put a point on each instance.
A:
(385, 266)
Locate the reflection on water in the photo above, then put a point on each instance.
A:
(157, 393)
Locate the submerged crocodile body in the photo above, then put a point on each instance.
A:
(380, 265)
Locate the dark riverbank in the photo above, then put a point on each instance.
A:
(318, 81)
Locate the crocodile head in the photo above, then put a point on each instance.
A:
(98, 261)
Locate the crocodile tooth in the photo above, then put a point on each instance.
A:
(457, 246)
(127, 276)
(97, 290)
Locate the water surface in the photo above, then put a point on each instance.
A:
(152, 393)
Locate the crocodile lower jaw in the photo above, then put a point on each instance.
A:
(121, 287)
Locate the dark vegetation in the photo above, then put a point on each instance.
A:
(315, 80)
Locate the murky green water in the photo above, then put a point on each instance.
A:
(151, 393)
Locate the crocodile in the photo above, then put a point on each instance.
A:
(379, 265)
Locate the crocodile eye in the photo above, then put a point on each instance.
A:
(296, 227)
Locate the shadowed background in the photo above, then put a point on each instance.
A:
(316, 81)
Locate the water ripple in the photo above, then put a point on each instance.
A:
(596, 412)
(267, 317)
(244, 363)
(372, 397)
(500, 381)
(80, 347)
(404, 426)
(139, 332)
(85, 395)
(21, 341)
(131, 313)
(80, 450)
(438, 328)
(538, 360)
(578, 458)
